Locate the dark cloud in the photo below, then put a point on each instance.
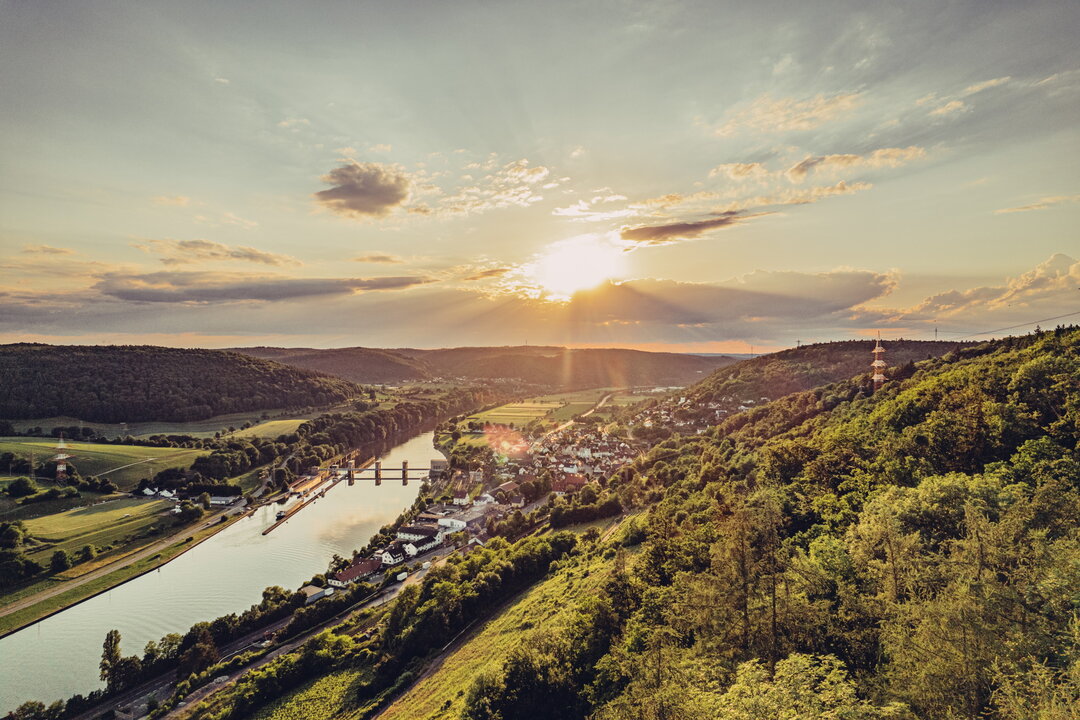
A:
(46, 250)
(673, 232)
(206, 287)
(180, 252)
(488, 273)
(378, 257)
(365, 190)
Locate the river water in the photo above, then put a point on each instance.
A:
(58, 657)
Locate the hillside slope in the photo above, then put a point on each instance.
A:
(909, 553)
(555, 366)
(134, 383)
(777, 374)
(358, 364)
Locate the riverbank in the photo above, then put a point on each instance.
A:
(27, 611)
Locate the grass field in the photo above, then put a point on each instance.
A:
(125, 465)
(271, 428)
(197, 428)
(108, 523)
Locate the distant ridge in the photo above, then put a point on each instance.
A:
(136, 383)
(781, 373)
(547, 365)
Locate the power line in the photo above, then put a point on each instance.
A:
(1014, 327)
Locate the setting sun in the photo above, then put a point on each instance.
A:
(576, 264)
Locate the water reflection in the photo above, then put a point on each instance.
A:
(59, 656)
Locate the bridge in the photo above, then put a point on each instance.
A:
(373, 469)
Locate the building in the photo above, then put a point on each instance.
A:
(357, 571)
(419, 532)
(313, 593)
(568, 484)
(461, 497)
(415, 547)
(393, 554)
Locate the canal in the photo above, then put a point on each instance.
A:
(58, 657)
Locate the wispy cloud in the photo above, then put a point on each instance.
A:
(208, 287)
(950, 108)
(379, 257)
(674, 232)
(46, 250)
(984, 85)
(770, 115)
(180, 252)
(1041, 204)
(172, 200)
(884, 157)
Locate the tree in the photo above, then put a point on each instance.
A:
(21, 487)
(110, 655)
(89, 552)
(60, 561)
(204, 500)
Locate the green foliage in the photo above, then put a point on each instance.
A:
(135, 383)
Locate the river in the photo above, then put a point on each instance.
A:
(58, 657)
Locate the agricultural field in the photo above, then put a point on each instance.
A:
(271, 428)
(125, 465)
(196, 428)
(108, 523)
(328, 696)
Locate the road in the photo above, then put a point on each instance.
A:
(149, 551)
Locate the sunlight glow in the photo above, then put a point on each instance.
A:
(575, 264)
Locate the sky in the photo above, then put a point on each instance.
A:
(689, 176)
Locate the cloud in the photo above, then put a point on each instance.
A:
(768, 114)
(46, 250)
(379, 257)
(365, 190)
(884, 157)
(673, 232)
(1052, 282)
(172, 200)
(739, 171)
(984, 85)
(1041, 204)
(208, 287)
(488, 273)
(179, 252)
(234, 219)
(381, 148)
(950, 108)
(513, 184)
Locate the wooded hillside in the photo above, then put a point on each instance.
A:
(133, 383)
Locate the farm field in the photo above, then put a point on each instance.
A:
(196, 428)
(125, 465)
(271, 428)
(111, 522)
(555, 408)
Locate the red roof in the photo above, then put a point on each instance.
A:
(358, 570)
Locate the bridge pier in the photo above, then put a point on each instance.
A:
(378, 472)
(404, 472)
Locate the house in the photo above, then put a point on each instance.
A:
(419, 532)
(485, 499)
(510, 487)
(461, 497)
(569, 484)
(393, 554)
(313, 593)
(357, 571)
(517, 500)
(415, 547)
(476, 476)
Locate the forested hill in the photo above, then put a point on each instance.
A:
(777, 374)
(134, 383)
(557, 366)
(905, 554)
(358, 364)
